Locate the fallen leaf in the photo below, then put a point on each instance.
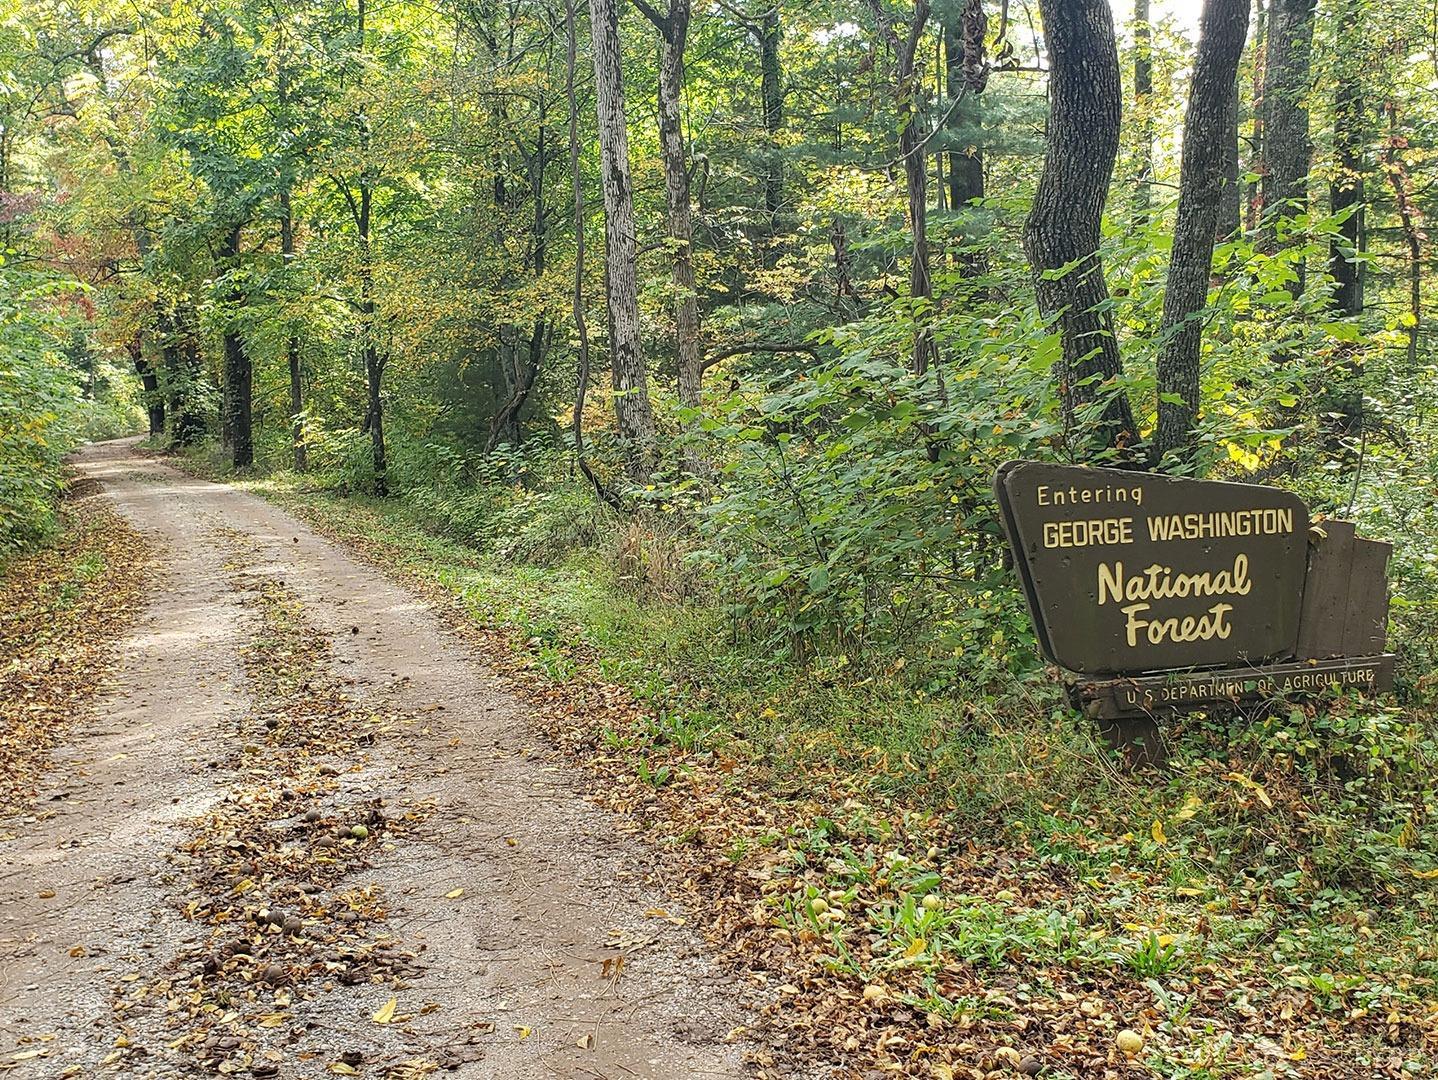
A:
(386, 1012)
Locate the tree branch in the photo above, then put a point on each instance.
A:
(757, 347)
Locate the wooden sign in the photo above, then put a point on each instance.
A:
(1117, 698)
(1132, 572)
(1173, 594)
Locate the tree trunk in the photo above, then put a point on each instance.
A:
(771, 93)
(1222, 29)
(1345, 191)
(520, 364)
(673, 34)
(292, 346)
(1230, 202)
(1143, 104)
(1253, 201)
(150, 388)
(238, 372)
(1062, 229)
(626, 355)
(916, 177)
(1286, 148)
(966, 73)
(181, 351)
(374, 360)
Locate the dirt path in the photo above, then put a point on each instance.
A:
(508, 901)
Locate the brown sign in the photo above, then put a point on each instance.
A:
(1118, 698)
(1132, 572)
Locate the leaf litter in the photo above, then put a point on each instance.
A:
(63, 608)
(273, 874)
(874, 939)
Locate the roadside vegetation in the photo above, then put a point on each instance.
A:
(930, 865)
(675, 351)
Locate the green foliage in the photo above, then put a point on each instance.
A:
(43, 407)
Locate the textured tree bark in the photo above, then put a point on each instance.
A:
(1142, 101)
(1345, 191)
(673, 30)
(1253, 199)
(1061, 235)
(1222, 29)
(626, 356)
(581, 324)
(1286, 147)
(1230, 203)
(966, 72)
(239, 374)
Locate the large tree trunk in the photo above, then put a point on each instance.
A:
(673, 30)
(1222, 29)
(626, 355)
(1063, 227)
(292, 346)
(238, 372)
(1286, 147)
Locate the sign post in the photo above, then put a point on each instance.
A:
(1161, 594)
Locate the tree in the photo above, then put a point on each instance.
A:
(239, 372)
(1143, 102)
(1061, 234)
(673, 27)
(1345, 190)
(906, 89)
(966, 72)
(626, 353)
(1206, 126)
(1287, 151)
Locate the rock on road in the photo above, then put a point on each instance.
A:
(512, 970)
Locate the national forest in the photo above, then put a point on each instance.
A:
(820, 539)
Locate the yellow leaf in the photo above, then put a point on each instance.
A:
(1298, 1054)
(1191, 805)
(1156, 831)
(454, 894)
(1425, 875)
(386, 1012)
(916, 946)
(524, 1032)
(343, 1069)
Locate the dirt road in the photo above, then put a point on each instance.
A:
(305, 833)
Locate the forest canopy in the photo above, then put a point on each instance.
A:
(790, 279)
